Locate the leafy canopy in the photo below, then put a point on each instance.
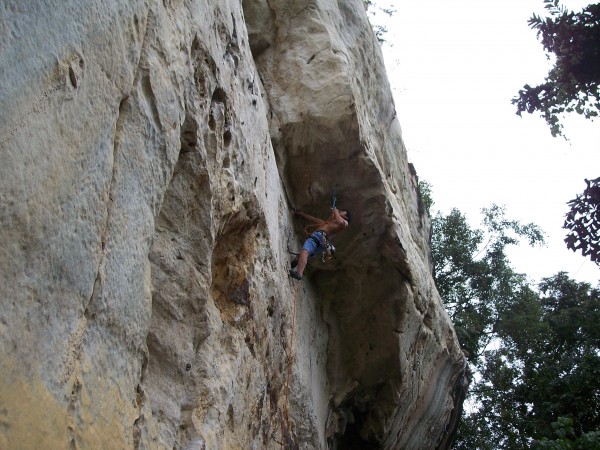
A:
(474, 278)
(583, 222)
(425, 191)
(572, 85)
(566, 438)
(534, 350)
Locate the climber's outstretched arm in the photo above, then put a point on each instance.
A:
(308, 217)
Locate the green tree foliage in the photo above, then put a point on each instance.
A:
(544, 366)
(425, 190)
(474, 277)
(562, 375)
(473, 273)
(572, 85)
(583, 222)
(534, 351)
(566, 438)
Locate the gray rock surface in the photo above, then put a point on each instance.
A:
(151, 153)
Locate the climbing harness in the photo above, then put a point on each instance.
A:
(329, 248)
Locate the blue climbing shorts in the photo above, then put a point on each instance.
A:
(315, 244)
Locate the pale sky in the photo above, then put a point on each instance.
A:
(454, 66)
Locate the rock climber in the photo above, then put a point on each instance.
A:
(319, 241)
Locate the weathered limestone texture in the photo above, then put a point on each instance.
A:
(151, 153)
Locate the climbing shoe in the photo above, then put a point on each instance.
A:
(295, 275)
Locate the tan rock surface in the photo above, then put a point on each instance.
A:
(151, 153)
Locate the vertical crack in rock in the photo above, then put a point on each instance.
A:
(74, 349)
(90, 308)
(76, 340)
(139, 425)
(72, 410)
(149, 99)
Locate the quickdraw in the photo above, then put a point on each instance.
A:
(334, 196)
(330, 252)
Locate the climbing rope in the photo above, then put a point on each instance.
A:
(284, 422)
(316, 226)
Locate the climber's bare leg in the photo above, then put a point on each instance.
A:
(302, 260)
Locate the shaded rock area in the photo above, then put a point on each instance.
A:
(152, 152)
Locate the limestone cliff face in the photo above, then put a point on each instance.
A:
(151, 153)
